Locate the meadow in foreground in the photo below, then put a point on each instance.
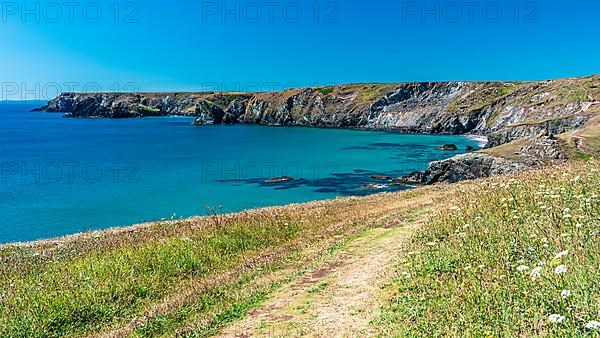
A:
(187, 277)
(510, 256)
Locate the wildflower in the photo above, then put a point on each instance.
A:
(566, 210)
(560, 269)
(481, 266)
(522, 268)
(430, 243)
(565, 294)
(466, 226)
(567, 216)
(561, 254)
(535, 273)
(556, 318)
(593, 325)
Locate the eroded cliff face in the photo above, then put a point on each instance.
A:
(505, 112)
(212, 107)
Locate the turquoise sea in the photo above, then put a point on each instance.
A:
(61, 176)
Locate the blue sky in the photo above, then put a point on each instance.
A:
(172, 45)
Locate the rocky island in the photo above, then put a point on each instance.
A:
(527, 124)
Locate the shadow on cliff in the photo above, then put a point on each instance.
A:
(357, 183)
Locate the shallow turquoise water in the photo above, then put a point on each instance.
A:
(61, 176)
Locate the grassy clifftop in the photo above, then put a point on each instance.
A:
(511, 255)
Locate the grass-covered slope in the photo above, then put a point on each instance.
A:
(513, 256)
(186, 277)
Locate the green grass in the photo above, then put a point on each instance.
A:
(471, 267)
(325, 91)
(84, 293)
(148, 108)
(188, 277)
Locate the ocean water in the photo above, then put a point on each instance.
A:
(61, 176)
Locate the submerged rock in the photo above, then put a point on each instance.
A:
(470, 148)
(279, 179)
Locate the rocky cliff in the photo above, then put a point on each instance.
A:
(505, 112)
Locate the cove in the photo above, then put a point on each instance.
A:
(61, 176)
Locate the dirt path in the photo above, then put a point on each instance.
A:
(340, 298)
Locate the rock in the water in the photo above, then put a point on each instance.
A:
(470, 148)
(416, 177)
(448, 147)
(279, 179)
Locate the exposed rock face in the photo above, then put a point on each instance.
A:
(210, 108)
(470, 166)
(504, 112)
(553, 126)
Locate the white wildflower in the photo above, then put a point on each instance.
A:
(593, 325)
(560, 269)
(556, 318)
(430, 243)
(561, 254)
(565, 294)
(567, 216)
(535, 273)
(566, 210)
(522, 268)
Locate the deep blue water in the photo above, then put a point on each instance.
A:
(60, 176)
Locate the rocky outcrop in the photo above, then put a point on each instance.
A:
(470, 166)
(209, 108)
(448, 147)
(525, 153)
(554, 126)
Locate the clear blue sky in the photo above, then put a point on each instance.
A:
(172, 45)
